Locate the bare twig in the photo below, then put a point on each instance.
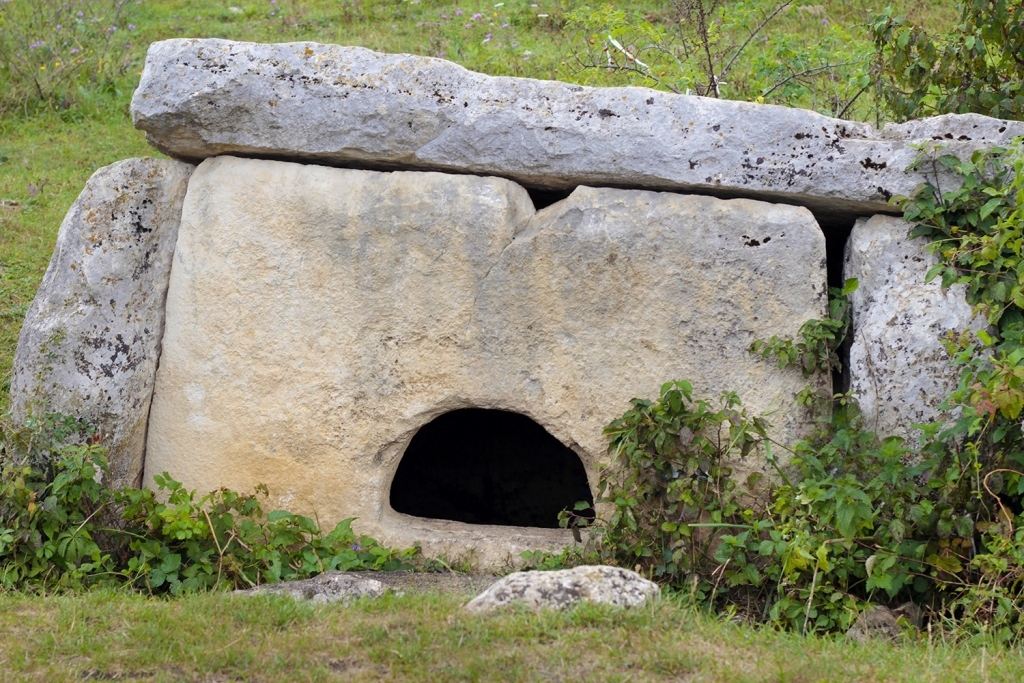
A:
(810, 598)
(752, 35)
(806, 72)
(1002, 507)
(220, 550)
(852, 100)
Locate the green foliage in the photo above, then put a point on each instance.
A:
(727, 49)
(856, 518)
(61, 528)
(851, 520)
(818, 348)
(225, 539)
(977, 66)
(671, 488)
(51, 48)
(49, 501)
(976, 229)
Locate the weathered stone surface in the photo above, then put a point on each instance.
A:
(349, 105)
(899, 369)
(883, 623)
(333, 586)
(565, 588)
(318, 317)
(91, 340)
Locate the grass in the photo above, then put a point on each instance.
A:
(106, 636)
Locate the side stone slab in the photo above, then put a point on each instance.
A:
(899, 369)
(90, 343)
(318, 317)
(351, 106)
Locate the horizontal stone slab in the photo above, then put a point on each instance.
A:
(350, 106)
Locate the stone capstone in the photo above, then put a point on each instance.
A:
(352, 106)
(90, 342)
(564, 588)
(899, 370)
(318, 317)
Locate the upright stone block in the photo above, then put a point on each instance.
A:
(91, 340)
(899, 369)
(318, 317)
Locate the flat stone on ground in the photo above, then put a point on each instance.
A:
(344, 587)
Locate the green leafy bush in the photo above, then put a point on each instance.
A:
(978, 66)
(818, 347)
(671, 488)
(61, 528)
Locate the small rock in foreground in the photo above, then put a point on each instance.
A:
(882, 622)
(326, 588)
(564, 588)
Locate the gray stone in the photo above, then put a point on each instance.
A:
(318, 317)
(879, 622)
(352, 106)
(335, 586)
(899, 369)
(564, 588)
(91, 340)
(329, 587)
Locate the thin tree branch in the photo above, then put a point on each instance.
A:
(728, 67)
(806, 72)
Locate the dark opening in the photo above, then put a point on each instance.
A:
(837, 232)
(488, 467)
(545, 198)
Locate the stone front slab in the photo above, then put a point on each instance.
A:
(899, 369)
(91, 340)
(318, 317)
(351, 106)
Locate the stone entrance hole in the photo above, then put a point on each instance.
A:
(488, 467)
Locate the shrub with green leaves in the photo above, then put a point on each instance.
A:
(61, 528)
(670, 487)
(817, 349)
(50, 48)
(978, 66)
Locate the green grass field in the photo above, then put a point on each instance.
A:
(46, 155)
(210, 638)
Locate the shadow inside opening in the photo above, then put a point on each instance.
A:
(488, 467)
